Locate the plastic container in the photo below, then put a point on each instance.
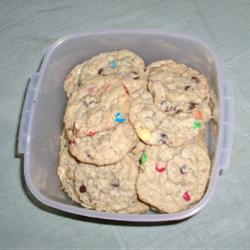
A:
(42, 115)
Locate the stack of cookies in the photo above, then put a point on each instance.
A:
(133, 137)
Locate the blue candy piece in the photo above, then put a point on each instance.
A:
(119, 117)
(113, 64)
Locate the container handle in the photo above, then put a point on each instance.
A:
(25, 122)
(227, 125)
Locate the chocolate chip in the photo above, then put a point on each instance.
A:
(192, 105)
(88, 101)
(100, 71)
(195, 79)
(187, 87)
(115, 183)
(163, 137)
(184, 169)
(82, 188)
(166, 106)
(178, 111)
(126, 90)
(86, 104)
(89, 155)
(135, 77)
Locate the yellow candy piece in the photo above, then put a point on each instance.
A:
(144, 134)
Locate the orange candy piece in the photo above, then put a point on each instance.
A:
(106, 86)
(198, 115)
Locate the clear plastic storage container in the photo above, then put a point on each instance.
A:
(42, 114)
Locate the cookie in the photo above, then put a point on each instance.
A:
(155, 127)
(66, 168)
(178, 88)
(72, 80)
(106, 147)
(120, 63)
(172, 180)
(124, 65)
(109, 188)
(101, 105)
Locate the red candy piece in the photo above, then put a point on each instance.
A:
(65, 134)
(72, 141)
(91, 133)
(186, 196)
(92, 89)
(159, 168)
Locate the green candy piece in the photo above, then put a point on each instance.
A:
(143, 158)
(197, 124)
